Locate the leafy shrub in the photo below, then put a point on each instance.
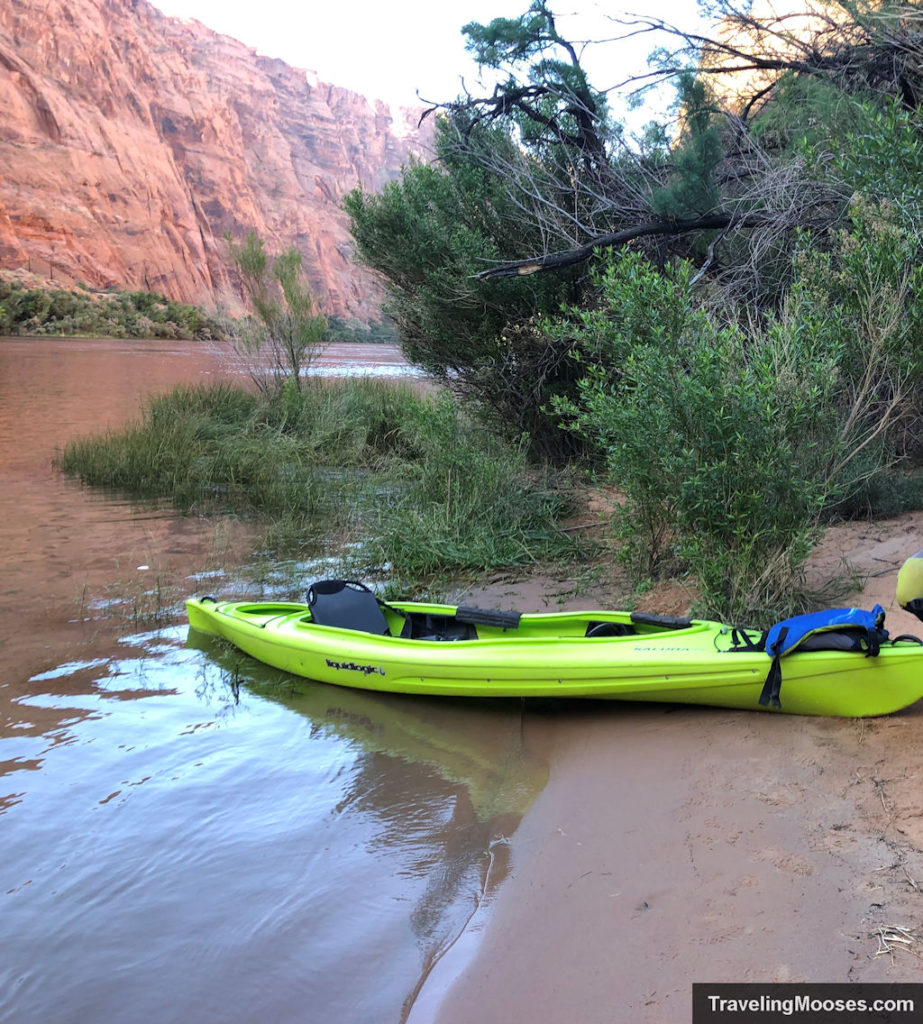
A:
(716, 439)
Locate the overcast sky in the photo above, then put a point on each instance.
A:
(392, 50)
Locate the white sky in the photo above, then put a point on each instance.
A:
(390, 49)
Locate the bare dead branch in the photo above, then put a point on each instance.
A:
(570, 258)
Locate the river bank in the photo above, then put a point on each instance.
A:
(674, 845)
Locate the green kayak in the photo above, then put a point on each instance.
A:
(346, 637)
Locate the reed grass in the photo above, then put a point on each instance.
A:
(405, 481)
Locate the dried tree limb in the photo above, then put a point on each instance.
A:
(571, 257)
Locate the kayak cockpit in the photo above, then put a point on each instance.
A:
(353, 607)
(344, 604)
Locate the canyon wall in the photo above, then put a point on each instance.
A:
(130, 143)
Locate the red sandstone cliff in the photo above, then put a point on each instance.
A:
(131, 142)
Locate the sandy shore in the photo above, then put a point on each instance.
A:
(674, 845)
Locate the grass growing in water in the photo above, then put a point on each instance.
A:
(424, 488)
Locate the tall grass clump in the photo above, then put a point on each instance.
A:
(171, 450)
(464, 499)
(406, 480)
(220, 446)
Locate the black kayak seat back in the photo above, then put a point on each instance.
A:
(347, 605)
(597, 628)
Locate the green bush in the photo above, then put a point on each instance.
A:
(733, 447)
(718, 440)
(33, 304)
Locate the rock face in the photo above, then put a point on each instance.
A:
(130, 143)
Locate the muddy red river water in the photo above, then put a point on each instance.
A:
(184, 835)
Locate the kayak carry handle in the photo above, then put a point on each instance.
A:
(485, 617)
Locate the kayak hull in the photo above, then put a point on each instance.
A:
(550, 655)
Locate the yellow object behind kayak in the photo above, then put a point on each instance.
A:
(910, 585)
(594, 654)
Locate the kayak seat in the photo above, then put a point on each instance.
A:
(347, 605)
(610, 629)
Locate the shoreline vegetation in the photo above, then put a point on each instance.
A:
(58, 312)
(729, 450)
(721, 312)
(399, 485)
(39, 310)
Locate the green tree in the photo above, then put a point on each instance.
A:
(546, 93)
(692, 189)
(428, 234)
(535, 178)
(288, 329)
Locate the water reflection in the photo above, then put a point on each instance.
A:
(443, 782)
(238, 831)
(445, 825)
(477, 744)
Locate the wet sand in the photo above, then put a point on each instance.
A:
(681, 844)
